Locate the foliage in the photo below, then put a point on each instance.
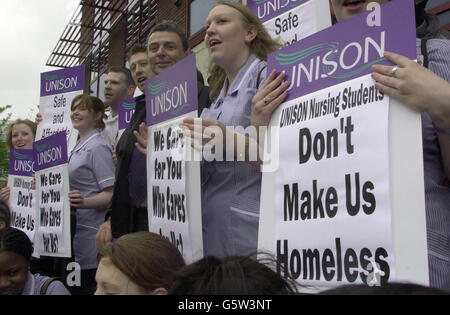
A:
(4, 151)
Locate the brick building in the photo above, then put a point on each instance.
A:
(102, 31)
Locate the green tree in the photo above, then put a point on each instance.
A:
(4, 151)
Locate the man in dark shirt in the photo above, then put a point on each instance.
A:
(167, 44)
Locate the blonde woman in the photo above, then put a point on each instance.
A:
(238, 45)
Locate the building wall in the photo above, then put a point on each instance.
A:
(167, 10)
(117, 44)
(442, 9)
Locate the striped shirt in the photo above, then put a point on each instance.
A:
(437, 189)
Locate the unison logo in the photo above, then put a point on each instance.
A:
(49, 156)
(23, 163)
(331, 60)
(168, 98)
(59, 83)
(129, 106)
(20, 156)
(267, 7)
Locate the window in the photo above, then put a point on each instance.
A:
(198, 11)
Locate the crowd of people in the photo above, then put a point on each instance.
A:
(108, 177)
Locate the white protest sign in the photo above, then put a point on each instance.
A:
(328, 183)
(350, 171)
(173, 181)
(22, 198)
(292, 20)
(52, 188)
(58, 89)
(167, 171)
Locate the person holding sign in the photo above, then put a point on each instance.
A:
(417, 87)
(238, 45)
(140, 65)
(21, 134)
(119, 86)
(137, 263)
(91, 173)
(140, 72)
(167, 44)
(15, 277)
(411, 84)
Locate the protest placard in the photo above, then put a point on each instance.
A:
(22, 198)
(52, 188)
(334, 209)
(126, 110)
(58, 89)
(173, 181)
(292, 20)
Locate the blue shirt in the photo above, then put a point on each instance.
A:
(91, 170)
(231, 189)
(437, 190)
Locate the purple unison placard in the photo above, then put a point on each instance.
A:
(268, 9)
(347, 50)
(125, 112)
(50, 152)
(173, 92)
(62, 81)
(21, 162)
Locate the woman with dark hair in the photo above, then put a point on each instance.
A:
(137, 263)
(15, 277)
(234, 275)
(91, 173)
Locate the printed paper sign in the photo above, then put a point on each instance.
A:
(168, 188)
(333, 215)
(333, 220)
(22, 198)
(343, 52)
(173, 183)
(52, 187)
(292, 20)
(173, 92)
(58, 89)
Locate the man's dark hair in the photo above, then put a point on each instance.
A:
(169, 26)
(233, 275)
(136, 48)
(15, 241)
(5, 213)
(125, 71)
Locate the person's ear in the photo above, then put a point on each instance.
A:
(131, 90)
(252, 31)
(159, 291)
(187, 52)
(2, 225)
(98, 116)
